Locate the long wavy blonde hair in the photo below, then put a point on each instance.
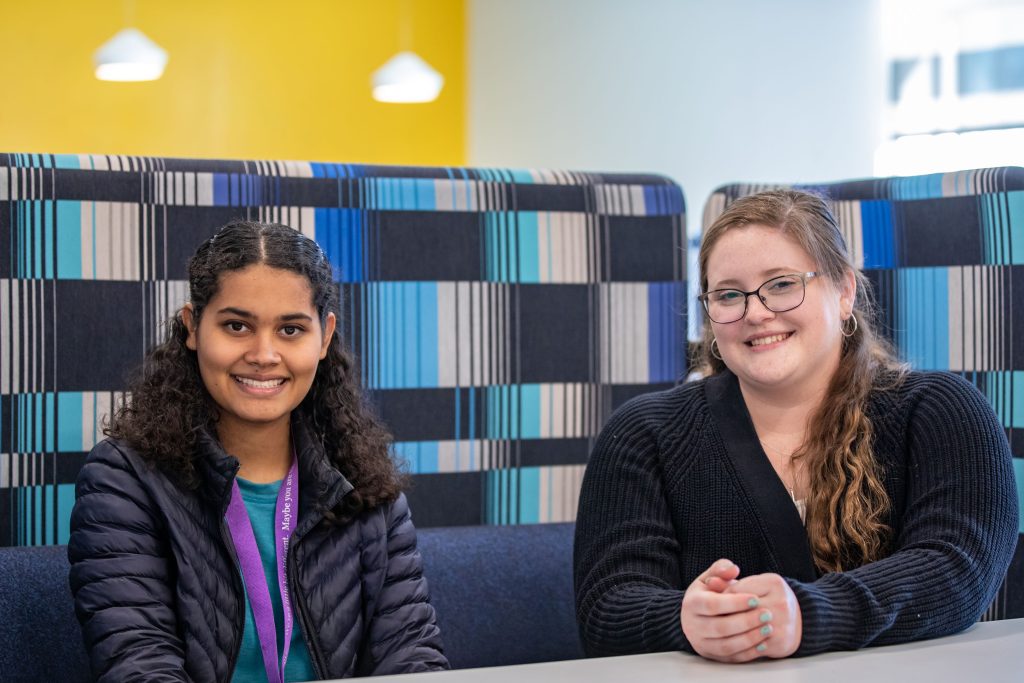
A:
(847, 503)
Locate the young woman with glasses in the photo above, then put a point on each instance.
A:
(811, 493)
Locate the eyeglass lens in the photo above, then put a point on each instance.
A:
(780, 294)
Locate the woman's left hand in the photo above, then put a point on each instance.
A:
(786, 623)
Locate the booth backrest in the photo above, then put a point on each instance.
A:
(503, 595)
(945, 256)
(498, 316)
(39, 635)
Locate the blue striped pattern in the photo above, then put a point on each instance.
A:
(402, 339)
(236, 189)
(401, 194)
(514, 496)
(341, 233)
(503, 412)
(1018, 469)
(918, 187)
(662, 200)
(50, 503)
(322, 170)
(31, 427)
(420, 457)
(66, 161)
(69, 240)
(1005, 391)
(879, 234)
(505, 257)
(1002, 220)
(666, 316)
(922, 332)
(34, 426)
(509, 413)
(31, 160)
(33, 239)
(453, 280)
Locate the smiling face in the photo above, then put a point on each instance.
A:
(792, 352)
(258, 344)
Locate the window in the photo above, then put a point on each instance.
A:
(956, 75)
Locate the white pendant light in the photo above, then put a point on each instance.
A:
(130, 56)
(406, 78)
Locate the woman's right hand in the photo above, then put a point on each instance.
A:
(726, 627)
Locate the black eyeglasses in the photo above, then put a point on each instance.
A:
(780, 294)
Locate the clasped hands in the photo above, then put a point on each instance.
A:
(729, 619)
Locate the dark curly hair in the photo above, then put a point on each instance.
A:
(169, 406)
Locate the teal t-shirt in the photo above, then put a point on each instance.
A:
(261, 502)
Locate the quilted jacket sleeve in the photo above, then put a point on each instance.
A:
(121, 576)
(403, 632)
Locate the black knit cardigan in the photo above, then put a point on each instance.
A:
(678, 480)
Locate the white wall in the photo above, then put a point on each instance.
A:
(706, 92)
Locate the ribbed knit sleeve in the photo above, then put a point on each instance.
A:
(958, 531)
(662, 499)
(626, 562)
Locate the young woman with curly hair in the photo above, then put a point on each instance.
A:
(864, 504)
(244, 520)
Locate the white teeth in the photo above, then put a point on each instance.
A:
(267, 384)
(768, 340)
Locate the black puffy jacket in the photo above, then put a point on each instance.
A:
(160, 598)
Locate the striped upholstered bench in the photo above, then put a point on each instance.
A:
(498, 316)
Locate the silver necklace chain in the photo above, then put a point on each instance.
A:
(788, 466)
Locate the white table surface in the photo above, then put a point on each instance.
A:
(990, 652)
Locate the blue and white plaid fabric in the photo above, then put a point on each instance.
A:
(498, 315)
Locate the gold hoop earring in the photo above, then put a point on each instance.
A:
(714, 350)
(852, 330)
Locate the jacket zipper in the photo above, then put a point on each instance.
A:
(316, 655)
(239, 590)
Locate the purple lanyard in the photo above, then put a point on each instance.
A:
(240, 527)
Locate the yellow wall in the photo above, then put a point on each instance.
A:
(245, 79)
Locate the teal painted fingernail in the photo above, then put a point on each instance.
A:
(766, 616)
(752, 602)
(761, 648)
(766, 629)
